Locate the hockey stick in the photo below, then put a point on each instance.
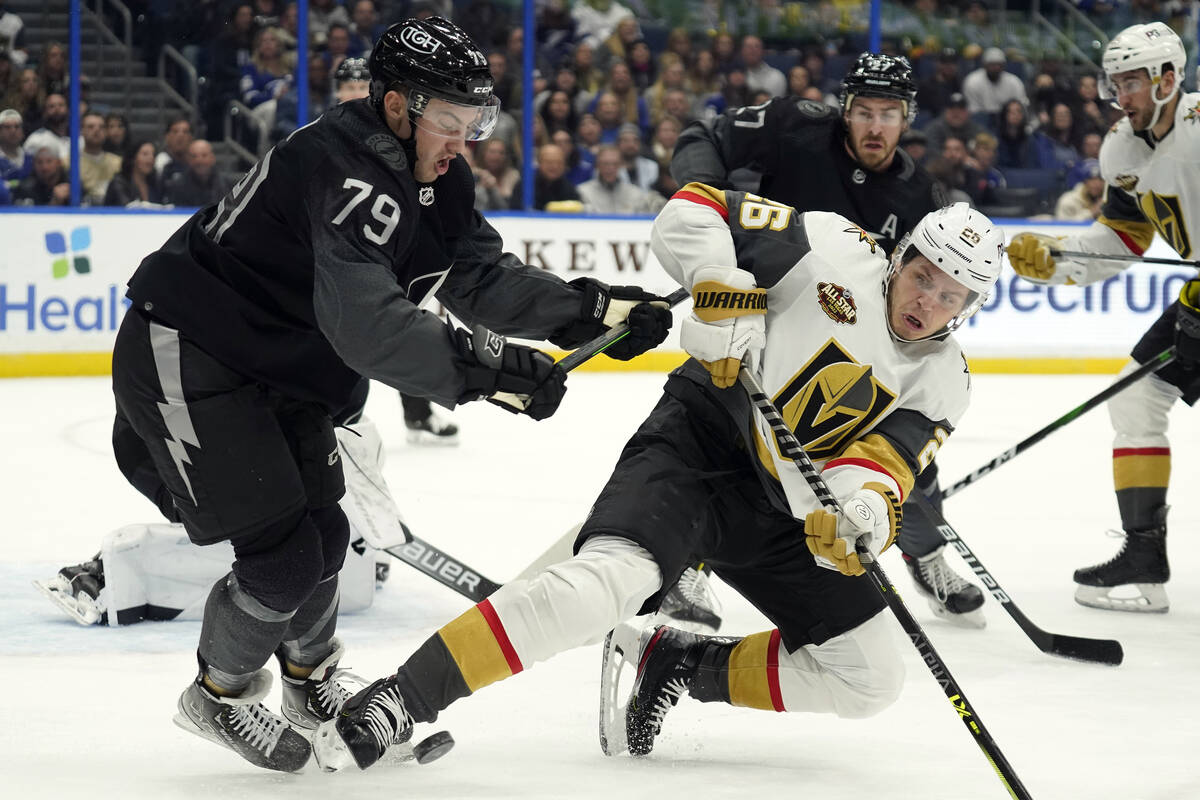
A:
(1175, 262)
(1156, 363)
(442, 567)
(791, 447)
(448, 570)
(609, 337)
(1095, 651)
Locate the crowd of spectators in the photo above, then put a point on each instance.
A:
(609, 100)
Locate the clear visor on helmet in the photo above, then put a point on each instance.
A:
(451, 120)
(1130, 82)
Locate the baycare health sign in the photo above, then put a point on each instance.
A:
(62, 279)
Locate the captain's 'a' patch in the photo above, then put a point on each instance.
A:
(831, 400)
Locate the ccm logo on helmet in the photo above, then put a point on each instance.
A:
(419, 40)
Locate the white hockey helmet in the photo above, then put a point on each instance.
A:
(961, 242)
(1147, 47)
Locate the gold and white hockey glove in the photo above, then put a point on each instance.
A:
(1032, 256)
(727, 323)
(872, 515)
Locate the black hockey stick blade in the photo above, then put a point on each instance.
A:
(1095, 651)
(1079, 648)
(443, 568)
(614, 334)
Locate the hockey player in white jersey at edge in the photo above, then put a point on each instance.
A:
(1150, 161)
(857, 352)
(258, 319)
(848, 160)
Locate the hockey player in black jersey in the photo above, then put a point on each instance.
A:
(814, 157)
(257, 318)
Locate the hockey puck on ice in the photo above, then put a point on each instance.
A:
(433, 747)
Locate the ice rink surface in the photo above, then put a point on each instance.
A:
(87, 711)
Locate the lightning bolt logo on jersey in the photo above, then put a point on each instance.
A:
(854, 396)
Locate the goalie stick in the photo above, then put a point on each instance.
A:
(790, 447)
(1095, 651)
(455, 574)
(1154, 364)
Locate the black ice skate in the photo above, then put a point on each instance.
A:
(433, 430)
(243, 725)
(950, 597)
(76, 590)
(307, 702)
(666, 667)
(691, 604)
(370, 723)
(1133, 579)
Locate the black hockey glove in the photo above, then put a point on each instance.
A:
(517, 378)
(1187, 323)
(603, 306)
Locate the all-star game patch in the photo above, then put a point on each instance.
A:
(387, 147)
(1193, 114)
(837, 302)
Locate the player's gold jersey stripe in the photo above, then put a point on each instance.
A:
(1141, 468)
(874, 447)
(754, 672)
(1142, 233)
(475, 650)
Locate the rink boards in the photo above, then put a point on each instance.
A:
(62, 278)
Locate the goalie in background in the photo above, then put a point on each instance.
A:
(151, 571)
(858, 354)
(1151, 163)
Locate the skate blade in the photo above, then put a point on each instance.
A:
(83, 613)
(329, 749)
(1140, 598)
(621, 648)
(971, 620)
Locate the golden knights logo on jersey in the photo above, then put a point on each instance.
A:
(831, 400)
(1165, 213)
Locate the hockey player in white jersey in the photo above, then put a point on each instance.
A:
(858, 355)
(1151, 163)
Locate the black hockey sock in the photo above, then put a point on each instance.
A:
(711, 682)
(430, 680)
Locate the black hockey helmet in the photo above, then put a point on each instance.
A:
(878, 75)
(352, 69)
(434, 59)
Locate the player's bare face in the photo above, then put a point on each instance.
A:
(873, 126)
(922, 300)
(441, 135)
